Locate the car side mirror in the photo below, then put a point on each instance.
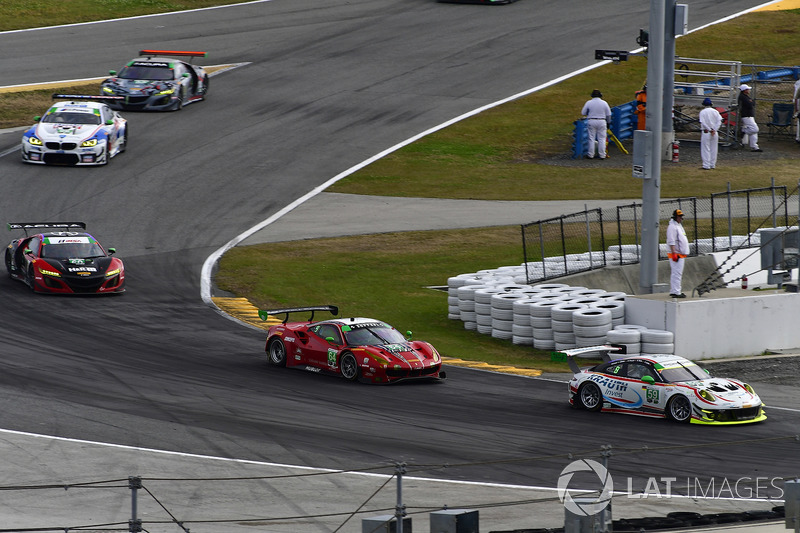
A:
(109, 122)
(648, 379)
(27, 251)
(185, 75)
(112, 251)
(331, 340)
(37, 118)
(112, 72)
(408, 335)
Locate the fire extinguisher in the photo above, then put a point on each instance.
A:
(676, 151)
(744, 282)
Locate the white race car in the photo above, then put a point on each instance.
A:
(81, 131)
(662, 386)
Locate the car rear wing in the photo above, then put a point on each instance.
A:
(151, 53)
(95, 98)
(25, 226)
(602, 351)
(265, 314)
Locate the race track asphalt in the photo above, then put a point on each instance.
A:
(91, 387)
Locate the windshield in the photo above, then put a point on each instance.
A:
(72, 118)
(683, 372)
(371, 334)
(145, 73)
(72, 250)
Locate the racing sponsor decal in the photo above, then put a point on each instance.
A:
(331, 357)
(158, 64)
(615, 391)
(289, 339)
(396, 348)
(80, 270)
(66, 240)
(652, 395)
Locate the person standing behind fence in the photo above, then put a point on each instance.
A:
(641, 108)
(678, 250)
(796, 98)
(747, 112)
(598, 114)
(710, 122)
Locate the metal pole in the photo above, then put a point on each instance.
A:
(651, 187)
(589, 235)
(400, 509)
(134, 524)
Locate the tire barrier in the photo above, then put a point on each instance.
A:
(548, 316)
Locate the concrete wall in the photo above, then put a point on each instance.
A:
(626, 277)
(724, 323)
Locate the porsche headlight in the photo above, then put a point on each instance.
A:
(89, 142)
(35, 141)
(52, 273)
(748, 388)
(706, 395)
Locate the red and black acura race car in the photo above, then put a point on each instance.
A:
(354, 348)
(63, 260)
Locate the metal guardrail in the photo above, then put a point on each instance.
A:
(595, 238)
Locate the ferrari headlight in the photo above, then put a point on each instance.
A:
(112, 272)
(89, 142)
(706, 395)
(52, 273)
(35, 141)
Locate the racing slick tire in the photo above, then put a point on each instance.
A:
(30, 278)
(205, 87)
(181, 94)
(8, 264)
(124, 145)
(679, 409)
(348, 366)
(276, 352)
(590, 397)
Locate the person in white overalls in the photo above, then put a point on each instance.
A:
(710, 122)
(598, 114)
(678, 250)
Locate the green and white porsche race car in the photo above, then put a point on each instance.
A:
(661, 386)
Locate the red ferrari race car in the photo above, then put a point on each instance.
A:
(63, 261)
(354, 348)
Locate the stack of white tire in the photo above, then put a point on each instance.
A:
(503, 314)
(466, 305)
(521, 329)
(629, 336)
(561, 315)
(483, 309)
(542, 323)
(655, 341)
(591, 326)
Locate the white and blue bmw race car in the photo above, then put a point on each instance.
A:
(81, 131)
(661, 386)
